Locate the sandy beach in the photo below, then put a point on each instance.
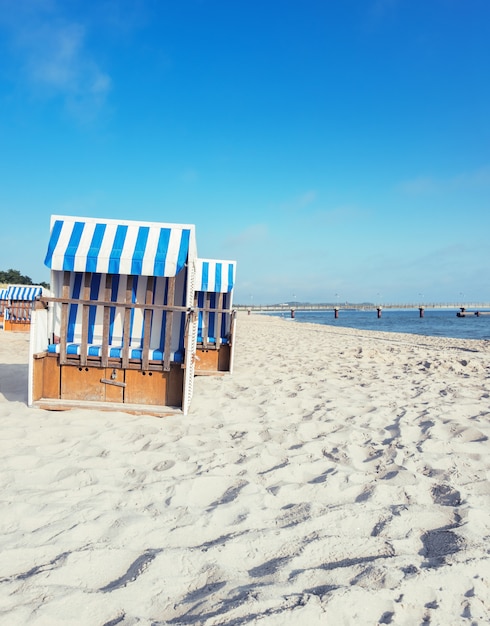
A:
(337, 477)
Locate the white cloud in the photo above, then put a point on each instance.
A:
(477, 178)
(298, 203)
(420, 185)
(381, 7)
(381, 13)
(189, 175)
(307, 198)
(54, 57)
(252, 235)
(338, 215)
(465, 181)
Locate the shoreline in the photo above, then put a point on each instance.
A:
(338, 475)
(440, 329)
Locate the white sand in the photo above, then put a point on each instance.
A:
(338, 477)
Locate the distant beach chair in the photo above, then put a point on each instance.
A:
(3, 302)
(215, 280)
(119, 332)
(19, 302)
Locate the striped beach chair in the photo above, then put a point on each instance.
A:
(119, 331)
(19, 303)
(215, 280)
(3, 302)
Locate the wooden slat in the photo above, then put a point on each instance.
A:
(214, 309)
(52, 378)
(219, 318)
(116, 383)
(231, 337)
(19, 311)
(148, 314)
(169, 324)
(85, 317)
(205, 320)
(106, 321)
(127, 322)
(134, 409)
(64, 317)
(131, 305)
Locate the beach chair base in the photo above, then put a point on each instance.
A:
(212, 361)
(17, 326)
(48, 404)
(153, 391)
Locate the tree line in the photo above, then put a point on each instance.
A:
(14, 277)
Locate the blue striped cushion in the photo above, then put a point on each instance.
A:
(223, 340)
(115, 352)
(11, 316)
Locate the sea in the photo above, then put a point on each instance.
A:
(435, 323)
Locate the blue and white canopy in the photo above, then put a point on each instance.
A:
(3, 293)
(23, 292)
(83, 244)
(215, 276)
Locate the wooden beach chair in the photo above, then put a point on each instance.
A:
(3, 302)
(19, 303)
(119, 332)
(216, 318)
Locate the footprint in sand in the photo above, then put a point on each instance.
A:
(365, 495)
(445, 495)
(293, 514)
(164, 465)
(379, 526)
(440, 543)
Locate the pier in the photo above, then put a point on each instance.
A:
(475, 308)
(362, 306)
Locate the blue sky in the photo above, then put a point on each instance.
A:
(339, 151)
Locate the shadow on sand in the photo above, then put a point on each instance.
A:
(13, 382)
